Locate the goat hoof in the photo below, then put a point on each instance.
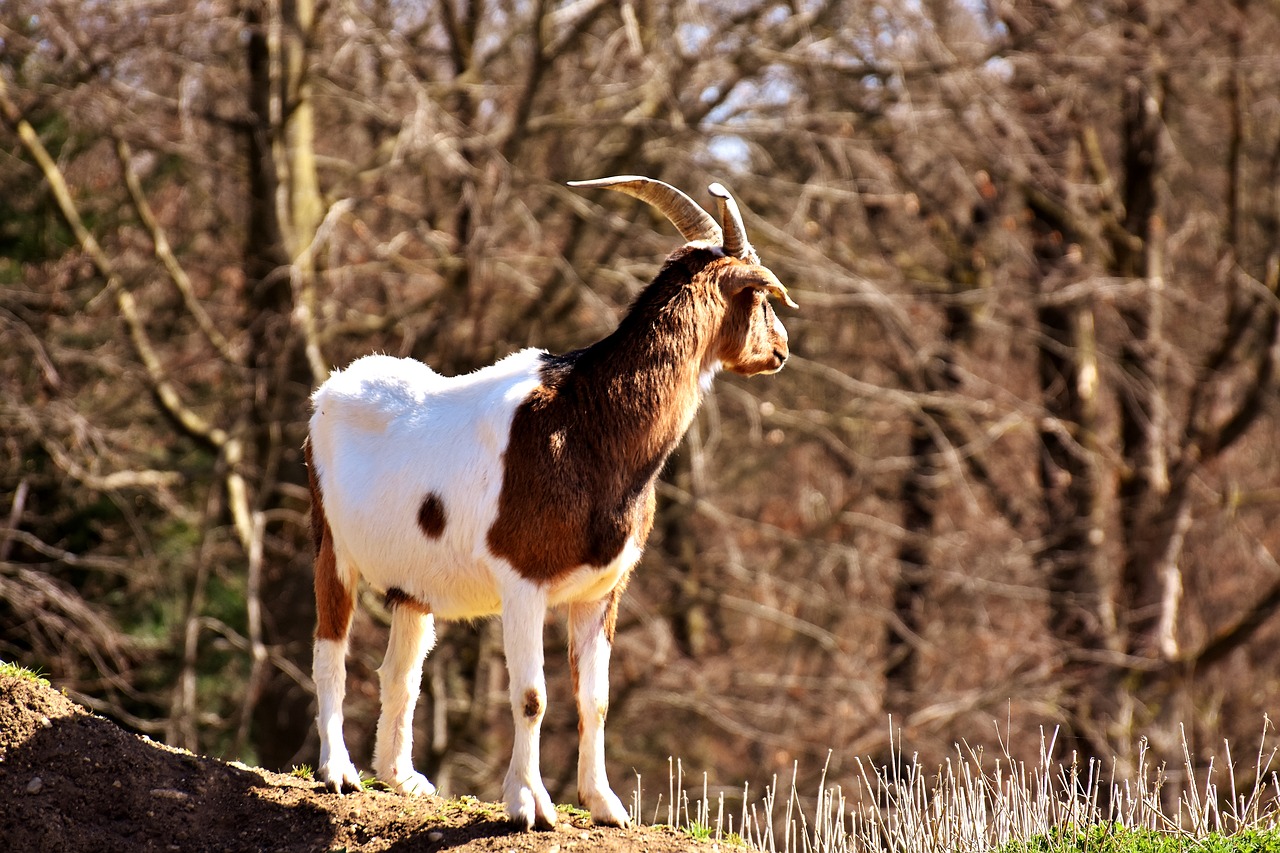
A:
(606, 809)
(414, 785)
(340, 777)
(531, 809)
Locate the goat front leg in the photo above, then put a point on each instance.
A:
(413, 634)
(524, 610)
(589, 649)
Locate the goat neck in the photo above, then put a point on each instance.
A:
(648, 371)
(588, 443)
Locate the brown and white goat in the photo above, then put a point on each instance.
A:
(522, 486)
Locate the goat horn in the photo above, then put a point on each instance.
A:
(735, 234)
(685, 214)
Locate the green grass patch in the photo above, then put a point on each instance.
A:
(12, 670)
(573, 812)
(1110, 838)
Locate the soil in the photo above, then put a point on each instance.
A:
(71, 781)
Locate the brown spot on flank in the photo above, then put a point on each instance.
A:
(334, 602)
(397, 597)
(532, 704)
(431, 516)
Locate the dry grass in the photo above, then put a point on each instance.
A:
(974, 803)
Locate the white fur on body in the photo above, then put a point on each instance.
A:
(386, 432)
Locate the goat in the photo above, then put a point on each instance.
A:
(525, 485)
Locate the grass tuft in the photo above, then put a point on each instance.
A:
(573, 812)
(12, 670)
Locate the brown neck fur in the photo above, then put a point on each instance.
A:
(588, 444)
(643, 379)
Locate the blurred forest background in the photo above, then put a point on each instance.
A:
(1022, 469)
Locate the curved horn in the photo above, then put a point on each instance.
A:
(735, 234)
(692, 221)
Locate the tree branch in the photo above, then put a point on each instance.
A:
(177, 274)
(163, 389)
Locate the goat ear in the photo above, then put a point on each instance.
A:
(739, 277)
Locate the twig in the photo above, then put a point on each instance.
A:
(253, 615)
(160, 243)
(15, 515)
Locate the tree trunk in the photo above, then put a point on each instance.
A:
(284, 213)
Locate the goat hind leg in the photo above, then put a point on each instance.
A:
(589, 648)
(413, 635)
(334, 606)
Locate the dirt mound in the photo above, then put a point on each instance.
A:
(71, 781)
